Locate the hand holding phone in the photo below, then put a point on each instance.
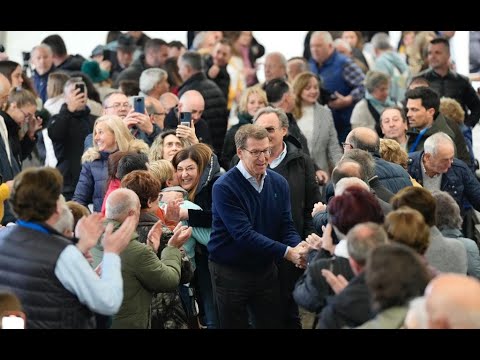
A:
(81, 87)
(185, 119)
(139, 104)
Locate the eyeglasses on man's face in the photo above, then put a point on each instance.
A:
(117, 106)
(256, 153)
(347, 145)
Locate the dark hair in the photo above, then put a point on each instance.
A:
(145, 185)
(429, 97)
(419, 199)
(35, 193)
(154, 44)
(7, 67)
(113, 35)
(171, 67)
(57, 44)
(441, 40)
(395, 274)
(112, 166)
(201, 154)
(353, 207)
(176, 44)
(129, 87)
(131, 161)
(275, 89)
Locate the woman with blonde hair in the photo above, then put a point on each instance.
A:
(110, 134)
(55, 85)
(391, 150)
(166, 145)
(316, 123)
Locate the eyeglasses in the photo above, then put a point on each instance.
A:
(344, 144)
(256, 153)
(117, 106)
(271, 129)
(158, 114)
(26, 116)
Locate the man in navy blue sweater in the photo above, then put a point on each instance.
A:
(252, 228)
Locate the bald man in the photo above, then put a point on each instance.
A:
(453, 302)
(275, 67)
(169, 101)
(155, 111)
(190, 102)
(392, 176)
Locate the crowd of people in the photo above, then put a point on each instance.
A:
(160, 186)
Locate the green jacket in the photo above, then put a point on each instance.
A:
(144, 274)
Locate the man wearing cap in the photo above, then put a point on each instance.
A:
(124, 56)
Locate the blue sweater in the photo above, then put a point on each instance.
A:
(250, 229)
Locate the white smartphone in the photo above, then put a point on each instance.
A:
(13, 320)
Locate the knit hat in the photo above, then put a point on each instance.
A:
(92, 69)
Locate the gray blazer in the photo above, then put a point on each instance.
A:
(446, 254)
(325, 147)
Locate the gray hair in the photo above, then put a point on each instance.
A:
(347, 182)
(431, 144)
(381, 41)
(42, 46)
(122, 201)
(363, 238)
(343, 43)
(150, 78)
(249, 131)
(271, 110)
(370, 142)
(448, 211)
(325, 35)
(365, 160)
(65, 221)
(193, 59)
(374, 79)
(198, 40)
(280, 56)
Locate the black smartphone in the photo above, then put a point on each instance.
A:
(80, 86)
(185, 118)
(139, 104)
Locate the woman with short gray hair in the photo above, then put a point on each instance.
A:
(366, 112)
(449, 222)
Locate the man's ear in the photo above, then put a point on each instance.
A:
(239, 153)
(431, 112)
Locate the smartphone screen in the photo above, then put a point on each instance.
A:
(80, 86)
(185, 118)
(139, 104)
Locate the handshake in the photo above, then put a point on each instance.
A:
(298, 254)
